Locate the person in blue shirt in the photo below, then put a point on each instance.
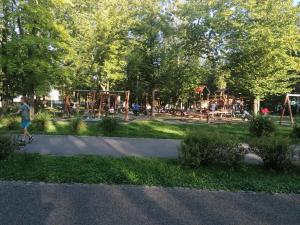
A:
(24, 111)
(136, 109)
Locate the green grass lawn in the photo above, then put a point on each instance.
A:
(156, 172)
(157, 129)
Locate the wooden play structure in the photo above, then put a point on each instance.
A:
(217, 107)
(204, 94)
(97, 103)
(287, 105)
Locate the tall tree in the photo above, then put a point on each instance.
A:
(32, 47)
(262, 47)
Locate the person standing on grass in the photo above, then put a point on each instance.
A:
(136, 109)
(24, 110)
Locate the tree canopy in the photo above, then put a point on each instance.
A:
(251, 47)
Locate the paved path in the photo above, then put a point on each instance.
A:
(110, 146)
(68, 145)
(118, 147)
(51, 204)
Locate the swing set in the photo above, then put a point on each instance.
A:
(98, 103)
(287, 104)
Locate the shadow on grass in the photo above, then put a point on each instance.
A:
(157, 129)
(153, 129)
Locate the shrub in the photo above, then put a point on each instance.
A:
(41, 121)
(109, 124)
(205, 148)
(7, 147)
(275, 152)
(12, 123)
(78, 125)
(296, 131)
(261, 126)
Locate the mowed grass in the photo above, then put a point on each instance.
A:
(157, 129)
(152, 172)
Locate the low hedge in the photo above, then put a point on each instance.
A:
(261, 126)
(275, 152)
(198, 149)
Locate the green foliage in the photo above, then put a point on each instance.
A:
(261, 126)
(34, 44)
(11, 123)
(78, 125)
(249, 47)
(150, 172)
(109, 124)
(41, 121)
(199, 149)
(263, 57)
(275, 152)
(296, 131)
(7, 147)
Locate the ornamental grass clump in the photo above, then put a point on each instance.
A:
(11, 123)
(41, 121)
(78, 125)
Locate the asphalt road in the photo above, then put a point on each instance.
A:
(52, 204)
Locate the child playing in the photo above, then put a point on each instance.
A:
(24, 110)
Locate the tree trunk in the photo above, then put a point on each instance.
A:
(31, 102)
(256, 106)
(3, 52)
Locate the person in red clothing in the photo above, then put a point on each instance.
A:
(265, 111)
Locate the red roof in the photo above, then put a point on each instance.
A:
(200, 89)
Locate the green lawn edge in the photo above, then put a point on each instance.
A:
(156, 129)
(149, 172)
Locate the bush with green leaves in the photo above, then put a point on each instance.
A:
(198, 149)
(7, 146)
(41, 121)
(109, 124)
(78, 125)
(261, 126)
(11, 123)
(275, 152)
(296, 131)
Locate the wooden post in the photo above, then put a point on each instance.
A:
(127, 96)
(290, 110)
(86, 102)
(78, 101)
(283, 109)
(100, 105)
(287, 103)
(153, 101)
(93, 103)
(117, 102)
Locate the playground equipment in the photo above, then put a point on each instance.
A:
(220, 106)
(97, 102)
(204, 94)
(287, 104)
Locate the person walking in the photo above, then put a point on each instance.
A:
(24, 111)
